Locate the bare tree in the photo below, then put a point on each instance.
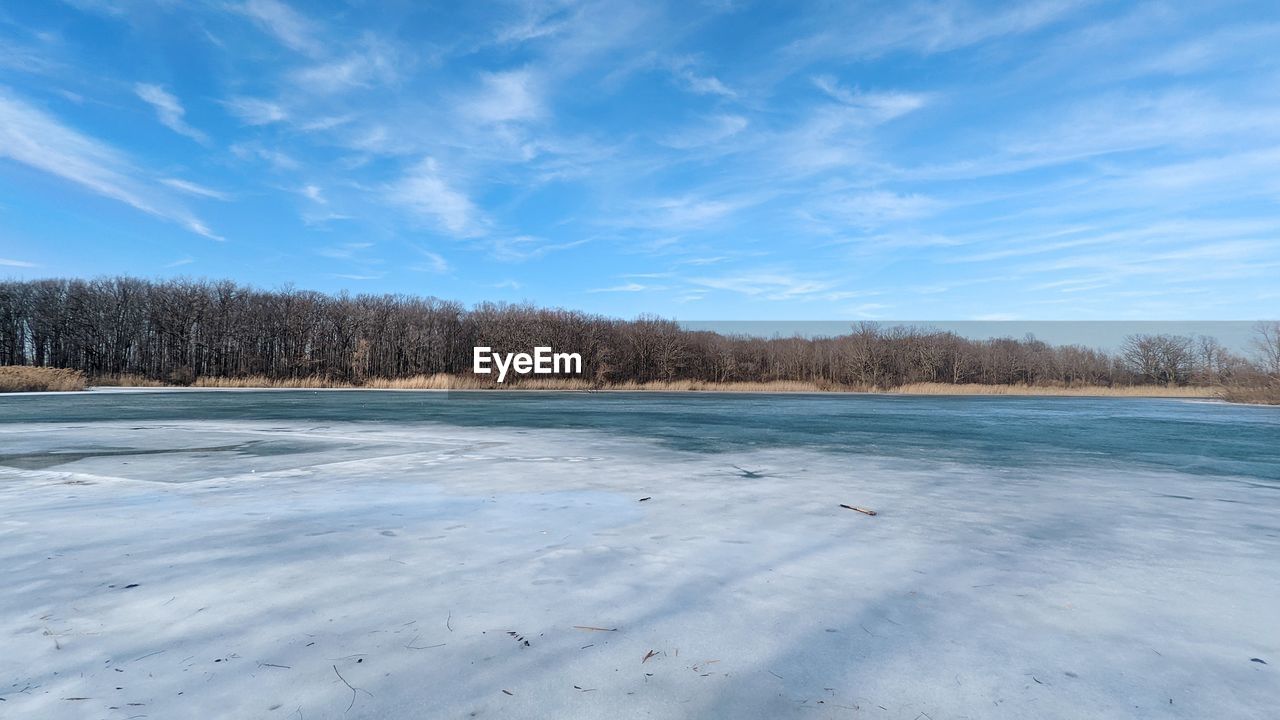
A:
(1160, 359)
(1266, 343)
(180, 330)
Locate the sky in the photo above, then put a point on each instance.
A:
(701, 160)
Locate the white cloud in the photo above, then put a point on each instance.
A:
(696, 261)
(1163, 234)
(193, 189)
(686, 213)
(834, 135)
(377, 61)
(426, 193)
(703, 84)
(6, 262)
(717, 129)
(525, 247)
(254, 111)
(510, 96)
(880, 107)
(325, 123)
(1118, 122)
(274, 158)
(198, 227)
(431, 262)
(874, 208)
(38, 140)
(361, 277)
(345, 251)
(769, 285)
(681, 214)
(868, 310)
(540, 20)
(26, 58)
(312, 218)
(927, 27)
(285, 24)
(314, 194)
(626, 287)
(169, 110)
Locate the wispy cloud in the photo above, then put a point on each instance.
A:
(700, 84)
(696, 261)
(926, 28)
(430, 262)
(191, 188)
(1110, 124)
(169, 110)
(424, 191)
(833, 136)
(630, 287)
(27, 58)
(362, 277)
(256, 111)
(508, 96)
(770, 285)
(273, 157)
(539, 20)
(7, 262)
(521, 248)
(344, 251)
(878, 106)
(683, 214)
(709, 132)
(284, 23)
(375, 61)
(314, 194)
(871, 209)
(38, 140)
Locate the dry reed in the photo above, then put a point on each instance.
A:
(472, 382)
(126, 380)
(24, 378)
(1253, 394)
(1063, 391)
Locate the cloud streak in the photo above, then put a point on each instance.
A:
(284, 24)
(168, 110)
(40, 141)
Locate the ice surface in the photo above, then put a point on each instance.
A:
(173, 567)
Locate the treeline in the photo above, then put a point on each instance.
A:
(180, 330)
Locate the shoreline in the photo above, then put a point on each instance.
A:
(960, 391)
(464, 383)
(49, 380)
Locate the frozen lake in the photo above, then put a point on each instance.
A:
(299, 554)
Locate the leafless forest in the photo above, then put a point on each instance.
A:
(178, 331)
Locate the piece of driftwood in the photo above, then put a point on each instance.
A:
(864, 511)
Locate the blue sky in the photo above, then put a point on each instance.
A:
(1053, 159)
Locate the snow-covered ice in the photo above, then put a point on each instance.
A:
(183, 567)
